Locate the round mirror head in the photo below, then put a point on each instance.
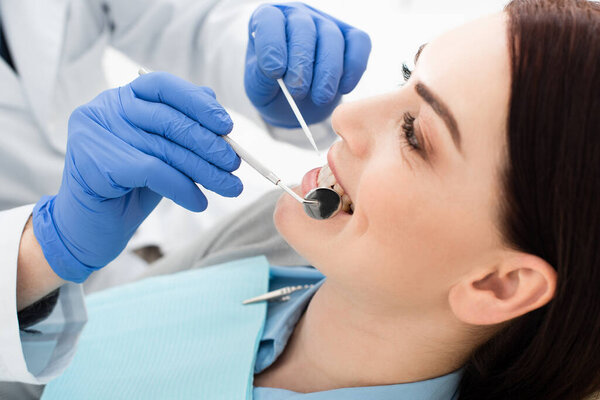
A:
(329, 203)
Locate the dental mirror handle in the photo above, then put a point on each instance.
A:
(261, 169)
(253, 162)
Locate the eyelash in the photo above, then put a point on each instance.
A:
(408, 126)
(406, 72)
(408, 129)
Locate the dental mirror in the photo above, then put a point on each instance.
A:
(328, 204)
(320, 203)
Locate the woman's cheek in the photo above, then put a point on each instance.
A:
(382, 199)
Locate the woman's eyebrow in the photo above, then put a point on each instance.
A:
(438, 105)
(440, 109)
(421, 47)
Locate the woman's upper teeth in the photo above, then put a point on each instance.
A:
(326, 178)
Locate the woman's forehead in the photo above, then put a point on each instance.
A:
(474, 49)
(469, 69)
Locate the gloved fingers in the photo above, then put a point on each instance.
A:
(302, 41)
(268, 33)
(186, 162)
(198, 169)
(356, 56)
(329, 62)
(161, 178)
(357, 50)
(261, 89)
(161, 119)
(197, 102)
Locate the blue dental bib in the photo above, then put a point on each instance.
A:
(180, 336)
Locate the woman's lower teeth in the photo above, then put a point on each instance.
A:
(326, 179)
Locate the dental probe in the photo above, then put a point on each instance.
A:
(320, 203)
(296, 111)
(299, 116)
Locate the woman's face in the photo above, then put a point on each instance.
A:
(426, 193)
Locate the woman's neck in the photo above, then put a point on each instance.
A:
(337, 344)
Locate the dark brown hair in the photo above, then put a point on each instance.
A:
(552, 207)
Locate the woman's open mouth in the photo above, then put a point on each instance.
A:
(326, 178)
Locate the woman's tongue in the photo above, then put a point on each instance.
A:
(309, 181)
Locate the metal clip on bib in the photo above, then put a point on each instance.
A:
(282, 294)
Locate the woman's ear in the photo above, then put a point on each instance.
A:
(520, 283)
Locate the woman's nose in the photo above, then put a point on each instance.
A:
(352, 122)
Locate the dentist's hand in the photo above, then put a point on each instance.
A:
(127, 149)
(319, 58)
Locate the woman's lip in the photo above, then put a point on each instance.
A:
(309, 180)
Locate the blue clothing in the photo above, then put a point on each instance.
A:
(178, 336)
(279, 325)
(204, 340)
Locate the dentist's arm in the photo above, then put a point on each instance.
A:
(35, 277)
(127, 149)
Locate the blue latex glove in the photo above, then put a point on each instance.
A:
(127, 149)
(319, 57)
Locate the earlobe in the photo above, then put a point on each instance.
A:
(521, 283)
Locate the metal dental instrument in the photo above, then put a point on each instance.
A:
(296, 111)
(282, 294)
(264, 171)
(330, 203)
(320, 203)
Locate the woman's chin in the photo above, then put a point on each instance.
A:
(300, 231)
(311, 238)
(288, 214)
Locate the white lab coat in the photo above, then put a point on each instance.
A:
(57, 48)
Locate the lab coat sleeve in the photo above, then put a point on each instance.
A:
(201, 40)
(45, 349)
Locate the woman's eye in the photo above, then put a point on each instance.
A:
(408, 130)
